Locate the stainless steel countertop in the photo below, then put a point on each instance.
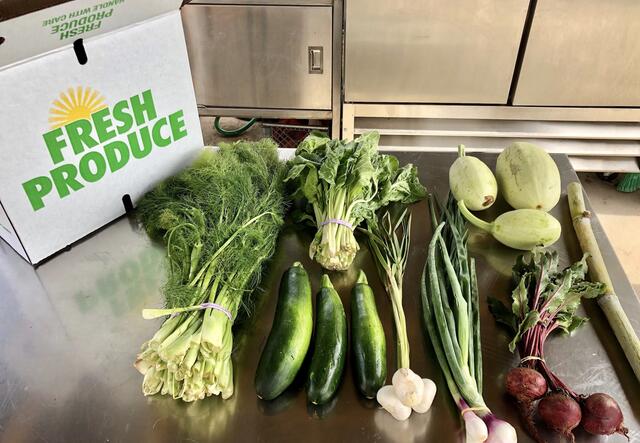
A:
(70, 330)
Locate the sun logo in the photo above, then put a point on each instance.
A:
(75, 104)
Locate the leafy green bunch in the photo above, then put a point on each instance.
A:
(344, 183)
(545, 300)
(545, 296)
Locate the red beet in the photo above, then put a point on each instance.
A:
(601, 415)
(525, 384)
(560, 413)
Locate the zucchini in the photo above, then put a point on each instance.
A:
(330, 345)
(290, 335)
(367, 339)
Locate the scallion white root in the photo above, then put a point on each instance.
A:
(428, 395)
(474, 427)
(391, 403)
(408, 386)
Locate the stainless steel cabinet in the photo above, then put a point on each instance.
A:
(582, 53)
(432, 51)
(258, 56)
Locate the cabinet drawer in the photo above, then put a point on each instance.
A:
(584, 53)
(432, 51)
(255, 56)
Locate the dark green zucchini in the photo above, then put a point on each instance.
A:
(367, 340)
(290, 335)
(330, 345)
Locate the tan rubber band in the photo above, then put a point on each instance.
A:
(530, 357)
(477, 408)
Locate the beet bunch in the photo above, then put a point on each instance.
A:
(545, 301)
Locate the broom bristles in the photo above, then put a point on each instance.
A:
(629, 183)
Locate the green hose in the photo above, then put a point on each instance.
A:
(234, 132)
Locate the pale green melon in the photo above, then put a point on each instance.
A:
(471, 181)
(519, 229)
(528, 178)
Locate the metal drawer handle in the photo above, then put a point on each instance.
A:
(315, 59)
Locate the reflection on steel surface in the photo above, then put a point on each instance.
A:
(66, 367)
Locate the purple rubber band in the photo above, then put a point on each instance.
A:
(215, 306)
(337, 221)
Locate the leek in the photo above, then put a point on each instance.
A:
(608, 301)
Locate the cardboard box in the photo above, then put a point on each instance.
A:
(96, 103)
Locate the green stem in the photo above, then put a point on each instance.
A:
(401, 325)
(608, 302)
(228, 242)
(461, 374)
(475, 221)
(475, 322)
(196, 252)
(462, 322)
(428, 319)
(149, 314)
(326, 281)
(165, 330)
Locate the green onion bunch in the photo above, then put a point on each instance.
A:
(389, 237)
(451, 315)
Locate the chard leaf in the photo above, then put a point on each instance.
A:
(312, 158)
(414, 190)
(363, 211)
(368, 143)
(545, 265)
(556, 294)
(352, 181)
(310, 187)
(329, 169)
(588, 289)
(520, 296)
(579, 268)
(572, 288)
(502, 314)
(386, 167)
(363, 173)
(567, 323)
(529, 322)
(346, 169)
(405, 187)
(312, 142)
(295, 171)
(302, 217)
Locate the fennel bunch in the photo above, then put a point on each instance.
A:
(219, 220)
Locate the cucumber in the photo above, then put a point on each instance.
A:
(330, 345)
(290, 335)
(367, 340)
